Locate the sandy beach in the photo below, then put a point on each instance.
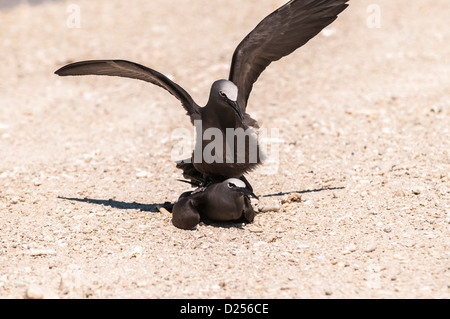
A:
(362, 182)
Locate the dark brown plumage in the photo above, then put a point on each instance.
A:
(276, 36)
(225, 201)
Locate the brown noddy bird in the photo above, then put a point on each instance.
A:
(277, 35)
(224, 201)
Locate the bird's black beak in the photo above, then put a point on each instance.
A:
(236, 108)
(246, 191)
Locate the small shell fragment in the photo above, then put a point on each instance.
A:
(269, 208)
(164, 211)
(255, 228)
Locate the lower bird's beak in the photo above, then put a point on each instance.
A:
(236, 107)
(247, 192)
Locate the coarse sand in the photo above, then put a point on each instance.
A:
(363, 176)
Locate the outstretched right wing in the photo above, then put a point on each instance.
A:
(135, 71)
(278, 35)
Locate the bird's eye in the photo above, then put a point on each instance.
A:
(222, 94)
(231, 185)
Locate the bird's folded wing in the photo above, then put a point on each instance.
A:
(135, 71)
(278, 35)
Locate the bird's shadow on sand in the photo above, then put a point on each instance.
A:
(153, 208)
(304, 191)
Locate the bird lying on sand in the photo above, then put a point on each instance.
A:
(225, 201)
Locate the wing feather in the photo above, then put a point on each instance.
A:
(135, 71)
(278, 35)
